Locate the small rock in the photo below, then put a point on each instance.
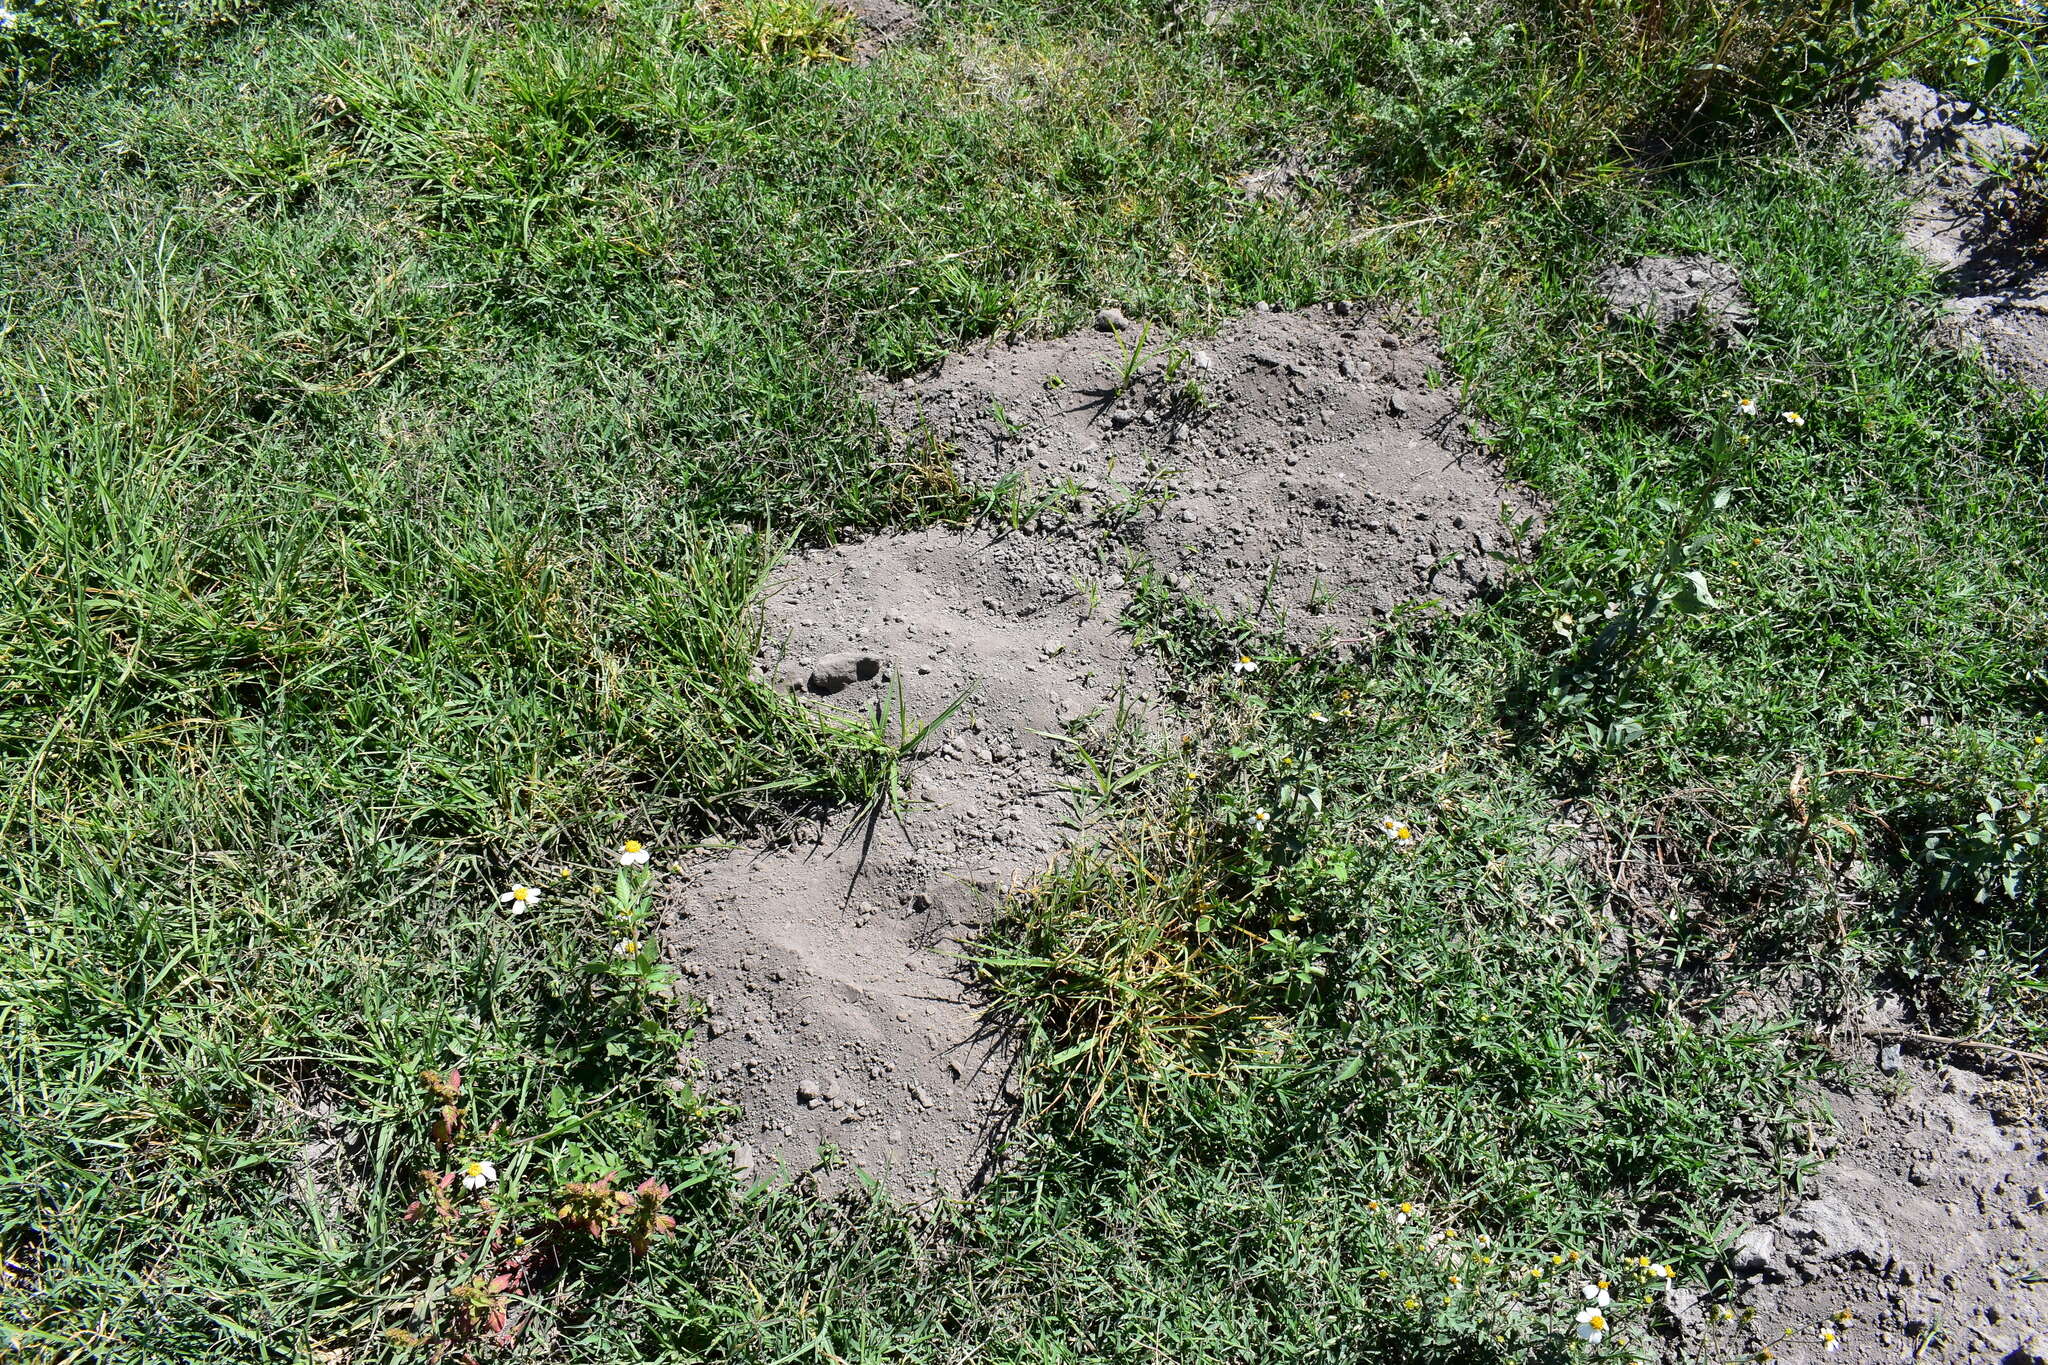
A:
(1270, 359)
(1111, 320)
(1829, 1229)
(1891, 1058)
(837, 672)
(1755, 1253)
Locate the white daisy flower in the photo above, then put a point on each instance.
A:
(1260, 817)
(1659, 1272)
(1792, 419)
(631, 854)
(1596, 1294)
(1748, 407)
(1244, 663)
(626, 947)
(477, 1174)
(1397, 830)
(1829, 1342)
(1592, 1326)
(520, 898)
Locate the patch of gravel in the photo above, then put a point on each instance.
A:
(1324, 477)
(1941, 150)
(1929, 1225)
(1667, 291)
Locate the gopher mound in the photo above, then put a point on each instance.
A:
(1302, 474)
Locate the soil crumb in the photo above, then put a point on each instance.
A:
(1322, 477)
(1964, 215)
(1667, 291)
(1926, 1227)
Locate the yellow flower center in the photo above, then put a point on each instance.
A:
(632, 846)
(473, 1168)
(1597, 1323)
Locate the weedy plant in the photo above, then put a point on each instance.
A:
(1615, 637)
(797, 30)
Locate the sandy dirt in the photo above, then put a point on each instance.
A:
(839, 1013)
(1323, 477)
(1301, 473)
(1941, 149)
(1928, 1225)
(1668, 291)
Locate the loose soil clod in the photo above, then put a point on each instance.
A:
(1319, 476)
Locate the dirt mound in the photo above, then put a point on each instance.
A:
(1299, 472)
(1320, 477)
(1928, 1226)
(838, 1013)
(1666, 291)
(881, 23)
(1949, 153)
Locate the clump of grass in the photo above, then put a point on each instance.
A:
(1462, 102)
(798, 30)
(44, 43)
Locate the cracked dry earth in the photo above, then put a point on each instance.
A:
(1320, 477)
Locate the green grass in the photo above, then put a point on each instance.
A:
(406, 406)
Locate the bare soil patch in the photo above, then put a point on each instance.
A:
(1955, 162)
(1320, 476)
(1929, 1226)
(840, 1015)
(880, 24)
(1668, 291)
(1301, 473)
